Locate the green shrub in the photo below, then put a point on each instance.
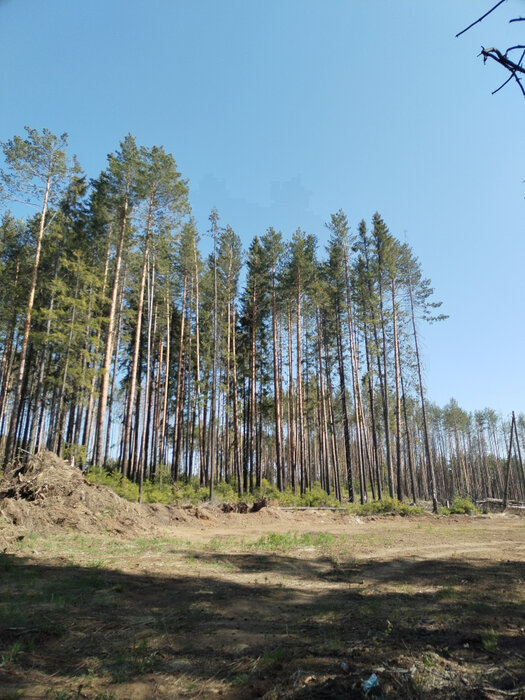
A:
(385, 505)
(224, 491)
(266, 490)
(316, 497)
(122, 487)
(153, 492)
(76, 452)
(461, 505)
(162, 489)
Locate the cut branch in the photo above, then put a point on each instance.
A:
(511, 66)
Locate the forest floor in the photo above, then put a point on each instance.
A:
(104, 599)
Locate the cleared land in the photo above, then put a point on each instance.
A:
(165, 602)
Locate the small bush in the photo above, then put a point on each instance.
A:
(460, 506)
(266, 490)
(115, 481)
(75, 452)
(153, 492)
(385, 505)
(224, 491)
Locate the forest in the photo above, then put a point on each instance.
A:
(123, 346)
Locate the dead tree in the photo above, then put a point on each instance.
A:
(511, 59)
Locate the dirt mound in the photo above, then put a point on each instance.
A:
(48, 492)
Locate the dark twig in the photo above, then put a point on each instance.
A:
(503, 84)
(481, 18)
(517, 19)
(512, 75)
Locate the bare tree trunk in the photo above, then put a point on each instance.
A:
(430, 464)
(146, 412)
(162, 438)
(179, 395)
(13, 423)
(292, 459)
(397, 372)
(252, 458)
(277, 394)
(110, 336)
(236, 441)
(91, 402)
(300, 403)
(134, 362)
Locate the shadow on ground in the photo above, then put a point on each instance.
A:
(252, 625)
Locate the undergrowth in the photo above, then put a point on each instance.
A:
(460, 506)
(191, 492)
(385, 505)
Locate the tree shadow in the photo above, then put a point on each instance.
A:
(250, 624)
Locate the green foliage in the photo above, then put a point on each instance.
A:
(276, 541)
(157, 493)
(489, 639)
(274, 656)
(32, 161)
(460, 506)
(14, 650)
(76, 452)
(192, 492)
(122, 487)
(385, 505)
(314, 497)
(189, 492)
(224, 491)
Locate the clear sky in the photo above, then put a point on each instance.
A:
(281, 112)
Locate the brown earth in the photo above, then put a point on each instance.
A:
(105, 599)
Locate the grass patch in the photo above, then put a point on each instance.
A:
(275, 541)
(489, 639)
(218, 544)
(448, 593)
(274, 656)
(14, 650)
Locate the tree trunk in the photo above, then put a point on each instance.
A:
(9, 452)
(108, 349)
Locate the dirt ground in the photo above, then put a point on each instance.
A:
(104, 599)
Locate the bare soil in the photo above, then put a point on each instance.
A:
(101, 598)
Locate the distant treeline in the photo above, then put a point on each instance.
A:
(122, 347)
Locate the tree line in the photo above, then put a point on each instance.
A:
(122, 345)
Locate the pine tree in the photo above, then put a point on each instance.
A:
(37, 171)
(273, 252)
(123, 188)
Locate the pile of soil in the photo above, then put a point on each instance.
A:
(47, 492)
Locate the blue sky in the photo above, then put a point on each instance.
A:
(281, 112)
